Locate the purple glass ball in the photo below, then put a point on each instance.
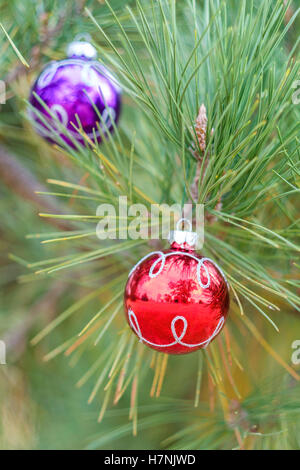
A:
(75, 89)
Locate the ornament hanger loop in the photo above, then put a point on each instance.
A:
(182, 221)
(85, 37)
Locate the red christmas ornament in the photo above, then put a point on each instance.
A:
(176, 301)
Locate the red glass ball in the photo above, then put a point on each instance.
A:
(176, 301)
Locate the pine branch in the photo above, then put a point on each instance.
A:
(171, 57)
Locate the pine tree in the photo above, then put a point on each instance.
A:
(210, 116)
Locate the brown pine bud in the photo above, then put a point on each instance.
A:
(201, 127)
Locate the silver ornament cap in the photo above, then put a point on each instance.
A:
(182, 237)
(81, 49)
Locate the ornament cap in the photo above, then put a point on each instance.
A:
(84, 49)
(183, 237)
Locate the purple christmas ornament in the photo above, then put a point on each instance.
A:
(76, 90)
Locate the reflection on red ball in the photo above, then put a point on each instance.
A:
(176, 301)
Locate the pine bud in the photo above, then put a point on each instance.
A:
(201, 127)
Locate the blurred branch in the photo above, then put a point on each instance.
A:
(19, 179)
(289, 12)
(16, 339)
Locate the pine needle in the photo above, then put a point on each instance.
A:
(18, 53)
